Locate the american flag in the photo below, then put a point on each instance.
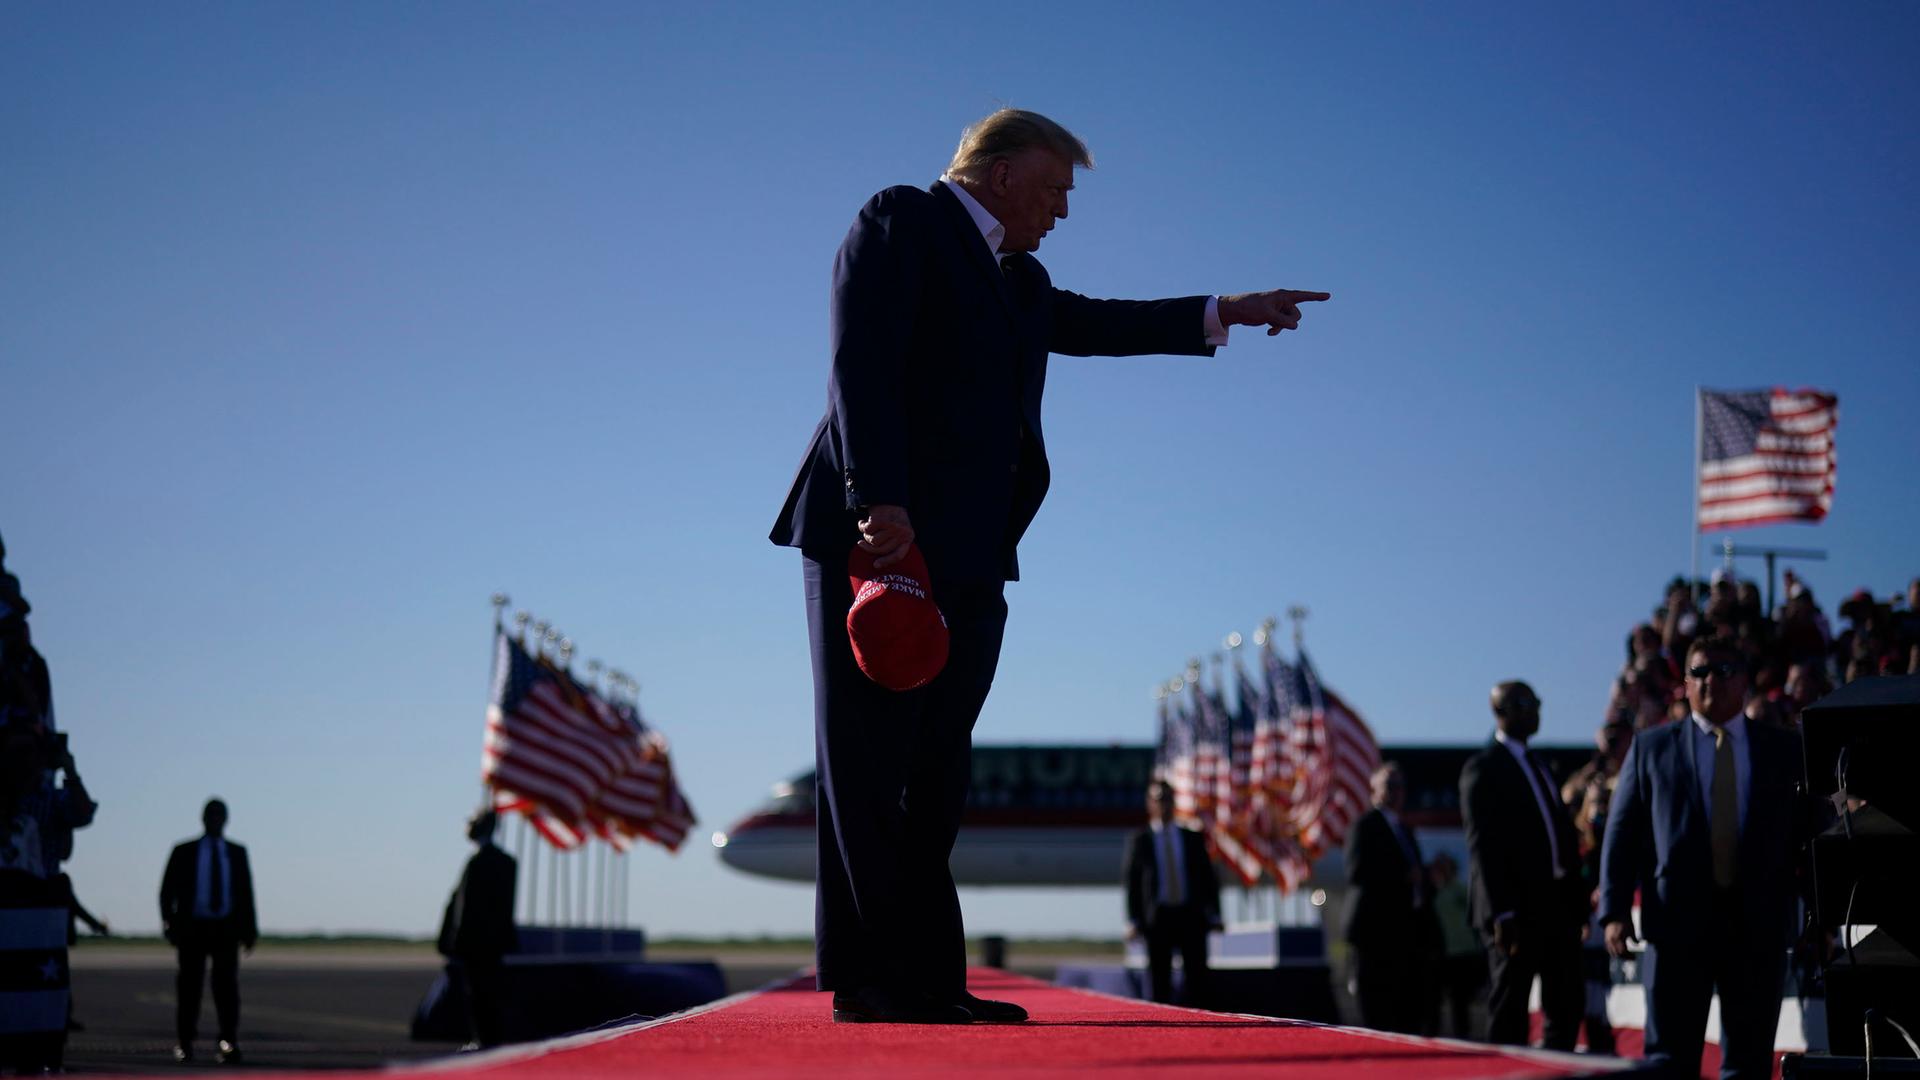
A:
(574, 763)
(1195, 811)
(1336, 760)
(1174, 762)
(1177, 758)
(1765, 456)
(1274, 772)
(1251, 826)
(1234, 744)
(1273, 750)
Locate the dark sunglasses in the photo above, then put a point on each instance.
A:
(1701, 671)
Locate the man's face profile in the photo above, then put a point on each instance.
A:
(1389, 789)
(1031, 188)
(1159, 802)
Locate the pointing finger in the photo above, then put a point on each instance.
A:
(1296, 296)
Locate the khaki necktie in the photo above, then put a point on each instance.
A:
(1726, 810)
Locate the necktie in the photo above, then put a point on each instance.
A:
(1726, 810)
(215, 905)
(1544, 790)
(1176, 889)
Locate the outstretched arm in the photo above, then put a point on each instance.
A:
(1276, 309)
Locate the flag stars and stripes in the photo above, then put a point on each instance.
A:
(574, 763)
(1765, 456)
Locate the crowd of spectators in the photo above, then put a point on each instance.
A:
(1793, 654)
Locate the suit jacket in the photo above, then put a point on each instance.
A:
(180, 886)
(1383, 906)
(478, 922)
(1143, 878)
(1658, 840)
(1512, 863)
(939, 363)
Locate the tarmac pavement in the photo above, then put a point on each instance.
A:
(301, 1007)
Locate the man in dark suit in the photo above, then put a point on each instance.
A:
(477, 931)
(206, 913)
(1527, 898)
(942, 321)
(1389, 918)
(1701, 825)
(1173, 897)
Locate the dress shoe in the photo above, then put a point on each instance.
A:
(229, 1053)
(183, 1054)
(879, 1005)
(991, 1012)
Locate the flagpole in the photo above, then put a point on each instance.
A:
(500, 602)
(564, 649)
(522, 620)
(525, 856)
(599, 895)
(1699, 448)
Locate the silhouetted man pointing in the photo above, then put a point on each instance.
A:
(942, 322)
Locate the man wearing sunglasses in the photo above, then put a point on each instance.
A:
(1702, 826)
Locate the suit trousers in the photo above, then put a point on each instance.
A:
(482, 986)
(893, 768)
(200, 941)
(1681, 978)
(1182, 929)
(1552, 954)
(1389, 985)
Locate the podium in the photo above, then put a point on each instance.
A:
(573, 978)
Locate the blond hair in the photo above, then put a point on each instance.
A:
(1007, 132)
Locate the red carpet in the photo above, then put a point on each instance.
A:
(1632, 1043)
(787, 1031)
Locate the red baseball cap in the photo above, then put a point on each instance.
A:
(899, 636)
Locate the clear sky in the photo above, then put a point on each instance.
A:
(320, 322)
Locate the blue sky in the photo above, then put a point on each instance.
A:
(325, 321)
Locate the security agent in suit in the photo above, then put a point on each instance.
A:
(941, 324)
(1528, 901)
(477, 931)
(1173, 897)
(206, 913)
(1702, 825)
(1389, 919)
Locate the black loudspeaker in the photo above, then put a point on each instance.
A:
(1862, 745)
(1868, 730)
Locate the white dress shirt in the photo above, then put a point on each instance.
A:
(994, 233)
(206, 905)
(1401, 834)
(1703, 750)
(1170, 862)
(1535, 783)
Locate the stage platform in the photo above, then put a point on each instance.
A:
(785, 1030)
